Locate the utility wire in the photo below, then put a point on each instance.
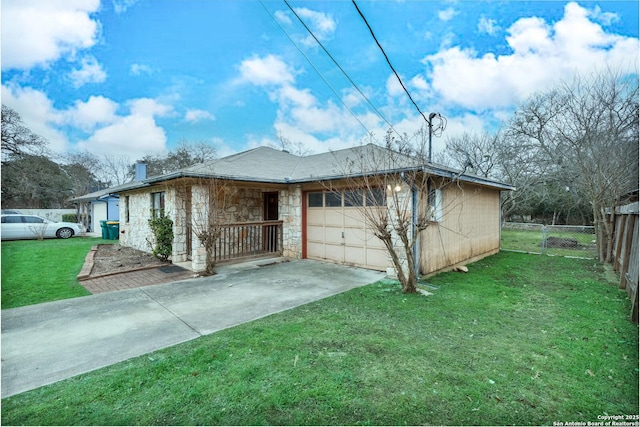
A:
(340, 68)
(315, 68)
(389, 62)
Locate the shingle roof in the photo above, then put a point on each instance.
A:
(268, 165)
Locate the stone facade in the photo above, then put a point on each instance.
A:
(290, 207)
(242, 204)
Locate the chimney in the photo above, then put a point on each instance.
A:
(141, 171)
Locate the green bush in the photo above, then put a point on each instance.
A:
(70, 218)
(162, 228)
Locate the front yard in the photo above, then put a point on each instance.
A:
(520, 339)
(37, 271)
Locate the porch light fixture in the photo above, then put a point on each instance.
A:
(397, 188)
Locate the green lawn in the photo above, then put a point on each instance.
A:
(37, 271)
(531, 241)
(520, 339)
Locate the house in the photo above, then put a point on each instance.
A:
(302, 207)
(104, 204)
(101, 205)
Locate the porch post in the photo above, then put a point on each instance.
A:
(199, 215)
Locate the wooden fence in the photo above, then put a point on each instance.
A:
(625, 251)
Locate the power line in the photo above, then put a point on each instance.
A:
(340, 68)
(314, 67)
(389, 62)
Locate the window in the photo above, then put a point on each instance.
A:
(333, 199)
(352, 198)
(157, 204)
(435, 205)
(32, 219)
(315, 200)
(376, 197)
(126, 208)
(12, 219)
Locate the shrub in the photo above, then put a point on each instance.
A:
(162, 228)
(70, 218)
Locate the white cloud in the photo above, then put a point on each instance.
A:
(542, 54)
(148, 107)
(140, 69)
(90, 71)
(447, 14)
(134, 134)
(35, 32)
(605, 18)
(283, 17)
(98, 110)
(121, 6)
(393, 86)
(37, 113)
(488, 26)
(198, 115)
(321, 24)
(270, 70)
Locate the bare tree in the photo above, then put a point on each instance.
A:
(588, 129)
(297, 148)
(395, 197)
(17, 138)
(206, 212)
(114, 169)
(184, 155)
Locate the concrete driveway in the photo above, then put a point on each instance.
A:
(45, 343)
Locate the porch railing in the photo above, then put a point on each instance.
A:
(247, 239)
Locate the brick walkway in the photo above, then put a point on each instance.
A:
(128, 279)
(136, 279)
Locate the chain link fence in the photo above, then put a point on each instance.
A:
(555, 240)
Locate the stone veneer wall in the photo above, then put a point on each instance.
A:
(246, 205)
(136, 233)
(290, 210)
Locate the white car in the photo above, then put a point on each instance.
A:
(22, 226)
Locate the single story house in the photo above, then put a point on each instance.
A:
(101, 205)
(302, 207)
(104, 204)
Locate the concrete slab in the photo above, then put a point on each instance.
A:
(45, 343)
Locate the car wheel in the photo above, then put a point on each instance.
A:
(64, 233)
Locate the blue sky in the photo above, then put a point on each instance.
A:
(135, 77)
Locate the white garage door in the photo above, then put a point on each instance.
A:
(337, 232)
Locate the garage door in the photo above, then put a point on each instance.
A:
(337, 232)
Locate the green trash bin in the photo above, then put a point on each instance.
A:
(105, 232)
(113, 230)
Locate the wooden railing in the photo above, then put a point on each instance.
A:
(247, 239)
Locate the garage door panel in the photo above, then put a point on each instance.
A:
(316, 250)
(354, 237)
(333, 235)
(315, 233)
(340, 234)
(333, 217)
(353, 218)
(354, 255)
(376, 258)
(334, 252)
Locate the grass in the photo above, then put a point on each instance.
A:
(502, 344)
(37, 271)
(531, 241)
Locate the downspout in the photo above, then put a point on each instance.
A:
(414, 221)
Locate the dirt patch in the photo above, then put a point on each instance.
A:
(115, 259)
